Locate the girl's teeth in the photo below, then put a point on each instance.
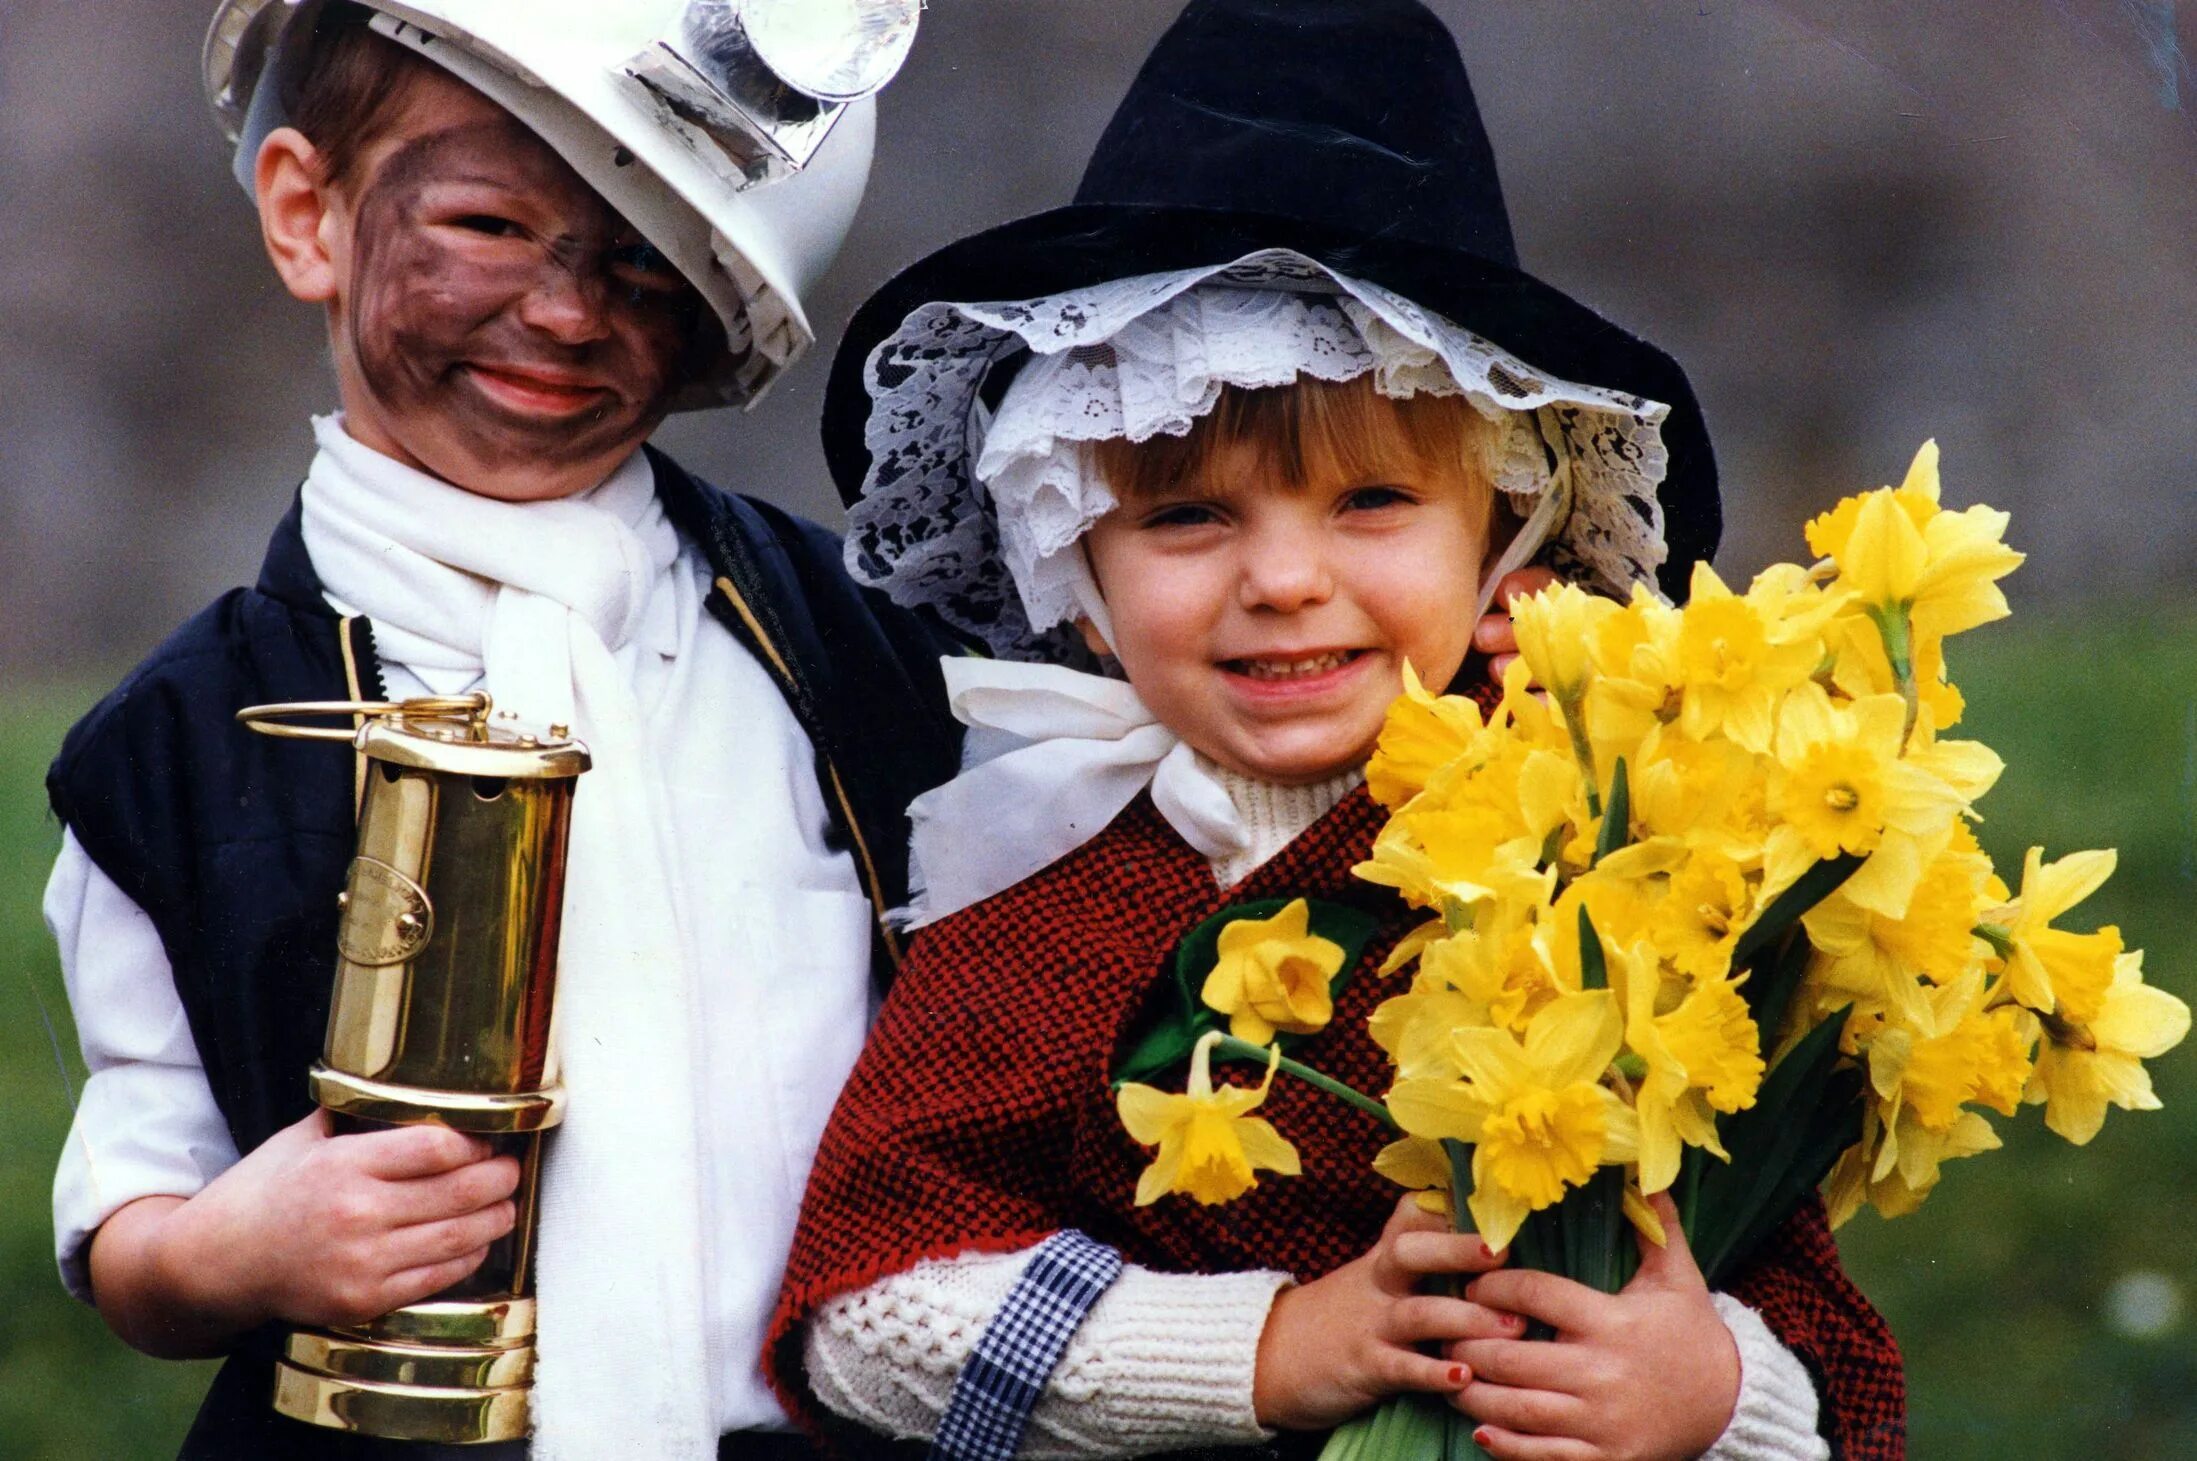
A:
(1290, 669)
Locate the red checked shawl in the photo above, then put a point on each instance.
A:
(980, 1118)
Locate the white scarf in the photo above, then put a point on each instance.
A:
(567, 608)
(1072, 749)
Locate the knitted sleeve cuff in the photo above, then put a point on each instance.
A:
(1162, 1362)
(1775, 1417)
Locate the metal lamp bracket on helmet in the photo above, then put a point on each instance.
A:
(767, 79)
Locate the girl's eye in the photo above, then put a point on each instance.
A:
(1182, 515)
(1372, 499)
(488, 224)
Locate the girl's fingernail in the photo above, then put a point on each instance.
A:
(1481, 1437)
(1457, 1374)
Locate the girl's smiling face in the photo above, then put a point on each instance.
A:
(493, 320)
(1267, 621)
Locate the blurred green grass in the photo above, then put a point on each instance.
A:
(2001, 1290)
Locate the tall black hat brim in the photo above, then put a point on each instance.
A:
(1088, 244)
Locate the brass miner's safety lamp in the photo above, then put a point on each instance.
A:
(446, 965)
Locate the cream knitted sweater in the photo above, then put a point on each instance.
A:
(1164, 1361)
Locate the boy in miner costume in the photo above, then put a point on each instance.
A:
(526, 257)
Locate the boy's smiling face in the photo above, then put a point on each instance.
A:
(493, 320)
(1268, 626)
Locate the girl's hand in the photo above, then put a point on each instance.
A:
(1493, 635)
(1650, 1372)
(1338, 1344)
(307, 1227)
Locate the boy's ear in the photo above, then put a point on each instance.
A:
(295, 209)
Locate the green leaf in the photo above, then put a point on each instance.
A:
(1404, 1428)
(1772, 982)
(1617, 816)
(1161, 1048)
(1460, 1184)
(1594, 969)
(1809, 889)
(1807, 1112)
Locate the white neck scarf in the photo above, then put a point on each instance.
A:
(1077, 749)
(564, 608)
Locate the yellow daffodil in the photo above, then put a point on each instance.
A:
(1708, 905)
(1861, 666)
(1738, 656)
(1924, 1076)
(1422, 734)
(1422, 1166)
(1871, 961)
(1694, 790)
(1555, 630)
(1274, 974)
(1536, 1111)
(1633, 655)
(1841, 786)
(1210, 1146)
(2052, 970)
(1897, 550)
(2082, 1070)
(1702, 1055)
(1451, 857)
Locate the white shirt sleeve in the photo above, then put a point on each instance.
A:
(147, 1124)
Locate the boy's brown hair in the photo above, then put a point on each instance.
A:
(352, 86)
(1312, 429)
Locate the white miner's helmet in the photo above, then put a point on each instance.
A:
(734, 134)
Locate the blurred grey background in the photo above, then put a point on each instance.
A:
(1858, 224)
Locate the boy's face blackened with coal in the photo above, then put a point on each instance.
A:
(495, 321)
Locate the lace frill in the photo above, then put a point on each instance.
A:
(970, 513)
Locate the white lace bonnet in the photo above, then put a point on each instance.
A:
(975, 513)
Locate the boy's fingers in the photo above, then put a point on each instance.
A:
(415, 1284)
(1571, 1308)
(426, 1244)
(1503, 1445)
(1444, 1252)
(1494, 634)
(415, 1151)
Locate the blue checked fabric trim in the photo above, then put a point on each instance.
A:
(1006, 1373)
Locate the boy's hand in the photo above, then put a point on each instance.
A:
(1338, 1344)
(1642, 1375)
(1493, 635)
(307, 1227)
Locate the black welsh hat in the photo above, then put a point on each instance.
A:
(1341, 131)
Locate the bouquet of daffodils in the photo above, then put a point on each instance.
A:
(1706, 917)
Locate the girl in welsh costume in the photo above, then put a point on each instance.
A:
(1258, 416)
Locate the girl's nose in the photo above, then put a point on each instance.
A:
(1285, 571)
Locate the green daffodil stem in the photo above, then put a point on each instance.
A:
(1228, 1047)
(1897, 632)
(1583, 753)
